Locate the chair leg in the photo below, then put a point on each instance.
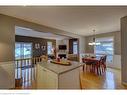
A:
(93, 68)
(83, 68)
(86, 68)
(90, 68)
(103, 69)
(100, 70)
(97, 70)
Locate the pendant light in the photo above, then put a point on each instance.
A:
(94, 40)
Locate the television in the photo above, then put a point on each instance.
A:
(62, 47)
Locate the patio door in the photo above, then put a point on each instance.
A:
(23, 50)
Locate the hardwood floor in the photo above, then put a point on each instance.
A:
(109, 80)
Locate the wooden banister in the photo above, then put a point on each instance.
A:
(25, 69)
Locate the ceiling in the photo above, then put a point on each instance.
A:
(78, 20)
(31, 33)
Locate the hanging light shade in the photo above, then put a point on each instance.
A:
(94, 40)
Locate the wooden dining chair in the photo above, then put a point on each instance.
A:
(88, 65)
(100, 66)
(44, 58)
(103, 63)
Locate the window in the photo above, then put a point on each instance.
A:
(106, 47)
(49, 48)
(75, 47)
(23, 50)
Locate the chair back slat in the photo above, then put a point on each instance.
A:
(103, 59)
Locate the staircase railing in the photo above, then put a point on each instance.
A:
(25, 69)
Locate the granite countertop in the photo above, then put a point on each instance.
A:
(59, 69)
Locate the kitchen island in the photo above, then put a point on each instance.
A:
(7, 75)
(55, 76)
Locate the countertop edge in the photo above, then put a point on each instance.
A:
(63, 71)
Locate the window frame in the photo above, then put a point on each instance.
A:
(77, 47)
(111, 37)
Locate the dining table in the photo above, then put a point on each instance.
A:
(97, 63)
(94, 61)
(91, 59)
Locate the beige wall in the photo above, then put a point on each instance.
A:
(124, 49)
(7, 35)
(81, 45)
(7, 39)
(117, 42)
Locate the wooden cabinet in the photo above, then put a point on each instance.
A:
(7, 75)
(47, 79)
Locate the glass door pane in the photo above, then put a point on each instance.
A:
(23, 50)
(27, 50)
(17, 51)
(106, 47)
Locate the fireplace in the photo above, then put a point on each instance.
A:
(62, 55)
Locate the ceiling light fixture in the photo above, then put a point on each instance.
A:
(94, 40)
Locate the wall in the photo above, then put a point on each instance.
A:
(71, 45)
(7, 30)
(34, 40)
(7, 39)
(124, 49)
(117, 47)
(62, 42)
(117, 42)
(82, 45)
